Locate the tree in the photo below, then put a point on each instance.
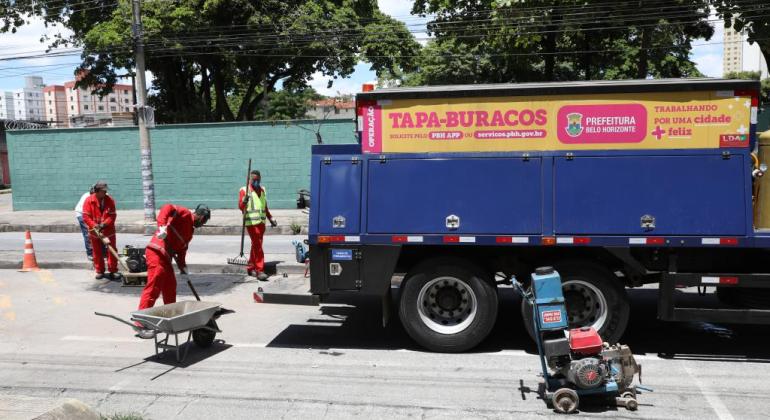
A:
(289, 104)
(206, 53)
(750, 17)
(547, 40)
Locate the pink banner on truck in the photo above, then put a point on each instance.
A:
(371, 130)
(606, 123)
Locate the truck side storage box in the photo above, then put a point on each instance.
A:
(344, 268)
(340, 191)
(483, 195)
(678, 195)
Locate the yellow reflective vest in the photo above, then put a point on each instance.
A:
(255, 209)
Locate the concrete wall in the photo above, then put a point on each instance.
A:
(192, 163)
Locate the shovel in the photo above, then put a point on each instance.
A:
(109, 247)
(240, 259)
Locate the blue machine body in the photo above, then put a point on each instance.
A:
(549, 302)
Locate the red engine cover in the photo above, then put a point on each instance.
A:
(585, 341)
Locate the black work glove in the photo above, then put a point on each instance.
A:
(273, 223)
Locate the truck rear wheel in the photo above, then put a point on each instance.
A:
(448, 305)
(594, 297)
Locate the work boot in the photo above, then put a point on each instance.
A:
(251, 273)
(99, 276)
(114, 276)
(261, 276)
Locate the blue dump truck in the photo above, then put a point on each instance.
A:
(456, 190)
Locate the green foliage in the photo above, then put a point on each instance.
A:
(548, 40)
(216, 60)
(296, 228)
(289, 104)
(743, 75)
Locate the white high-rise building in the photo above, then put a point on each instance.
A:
(28, 101)
(732, 56)
(6, 106)
(738, 55)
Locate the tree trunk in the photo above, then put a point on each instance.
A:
(643, 65)
(549, 48)
(242, 109)
(223, 111)
(585, 58)
(206, 91)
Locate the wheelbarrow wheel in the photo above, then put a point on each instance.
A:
(565, 401)
(203, 337)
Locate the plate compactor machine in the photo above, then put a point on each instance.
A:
(576, 363)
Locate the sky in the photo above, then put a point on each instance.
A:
(56, 70)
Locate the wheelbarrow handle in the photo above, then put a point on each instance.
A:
(134, 327)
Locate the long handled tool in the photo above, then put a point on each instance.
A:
(109, 247)
(240, 259)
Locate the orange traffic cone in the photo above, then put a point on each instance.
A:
(30, 262)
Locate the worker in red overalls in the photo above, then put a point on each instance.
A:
(99, 215)
(255, 211)
(175, 231)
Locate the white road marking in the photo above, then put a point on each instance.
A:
(96, 339)
(711, 397)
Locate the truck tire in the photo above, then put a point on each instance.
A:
(594, 297)
(448, 305)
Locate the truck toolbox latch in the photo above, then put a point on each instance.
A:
(647, 222)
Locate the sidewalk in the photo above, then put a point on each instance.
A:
(223, 221)
(197, 262)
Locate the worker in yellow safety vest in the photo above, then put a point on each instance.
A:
(253, 204)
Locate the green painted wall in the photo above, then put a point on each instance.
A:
(192, 163)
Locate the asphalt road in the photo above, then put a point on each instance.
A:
(274, 244)
(335, 361)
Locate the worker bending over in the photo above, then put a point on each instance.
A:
(175, 231)
(99, 215)
(254, 207)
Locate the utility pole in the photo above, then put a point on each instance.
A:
(148, 186)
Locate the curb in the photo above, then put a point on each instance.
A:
(193, 268)
(207, 230)
(8, 191)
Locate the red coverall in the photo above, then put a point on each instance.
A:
(159, 252)
(256, 233)
(94, 213)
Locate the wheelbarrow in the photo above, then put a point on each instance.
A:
(194, 317)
